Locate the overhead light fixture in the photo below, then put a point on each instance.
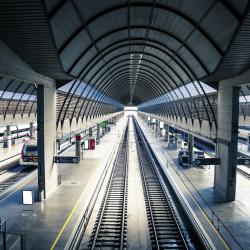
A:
(135, 61)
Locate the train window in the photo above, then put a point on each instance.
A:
(31, 148)
(184, 159)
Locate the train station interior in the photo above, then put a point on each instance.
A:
(124, 124)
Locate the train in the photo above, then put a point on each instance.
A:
(17, 131)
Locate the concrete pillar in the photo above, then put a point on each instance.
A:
(248, 142)
(78, 145)
(46, 135)
(90, 131)
(148, 121)
(227, 140)
(190, 147)
(32, 130)
(7, 137)
(98, 134)
(166, 126)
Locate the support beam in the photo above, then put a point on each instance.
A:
(13, 67)
(248, 142)
(46, 128)
(32, 130)
(7, 137)
(90, 131)
(190, 147)
(166, 127)
(78, 145)
(227, 140)
(98, 134)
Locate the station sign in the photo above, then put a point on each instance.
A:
(66, 159)
(243, 161)
(207, 161)
(216, 161)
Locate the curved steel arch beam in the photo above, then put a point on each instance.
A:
(163, 32)
(184, 70)
(168, 65)
(168, 75)
(95, 110)
(26, 89)
(151, 80)
(127, 73)
(10, 100)
(158, 94)
(6, 88)
(34, 90)
(151, 55)
(85, 76)
(98, 88)
(186, 18)
(120, 82)
(35, 100)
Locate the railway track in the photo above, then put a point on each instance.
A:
(164, 227)
(5, 167)
(111, 224)
(15, 178)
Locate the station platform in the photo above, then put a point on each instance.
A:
(235, 215)
(49, 224)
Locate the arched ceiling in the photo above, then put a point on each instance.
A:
(137, 50)
(132, 51)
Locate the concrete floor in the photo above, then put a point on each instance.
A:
(43, 222)
(235, 215)
(137, 232)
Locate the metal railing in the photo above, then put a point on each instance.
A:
(10, 240)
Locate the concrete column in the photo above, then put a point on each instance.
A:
(98, 134)
(46, 135)
(7, 137)
(31, 130)
(190, 147)
(148, 120)
(156, 127)
(166, 126)
(248, 142)
(90, 131)
(227, 140)
(78, 145)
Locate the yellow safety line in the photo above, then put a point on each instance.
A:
(72, 211)
(209, 221)
(65, 223)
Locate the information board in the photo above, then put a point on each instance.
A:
(243, 161)
(66, 159)
(207, 161)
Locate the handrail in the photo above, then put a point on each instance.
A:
(215, 218)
